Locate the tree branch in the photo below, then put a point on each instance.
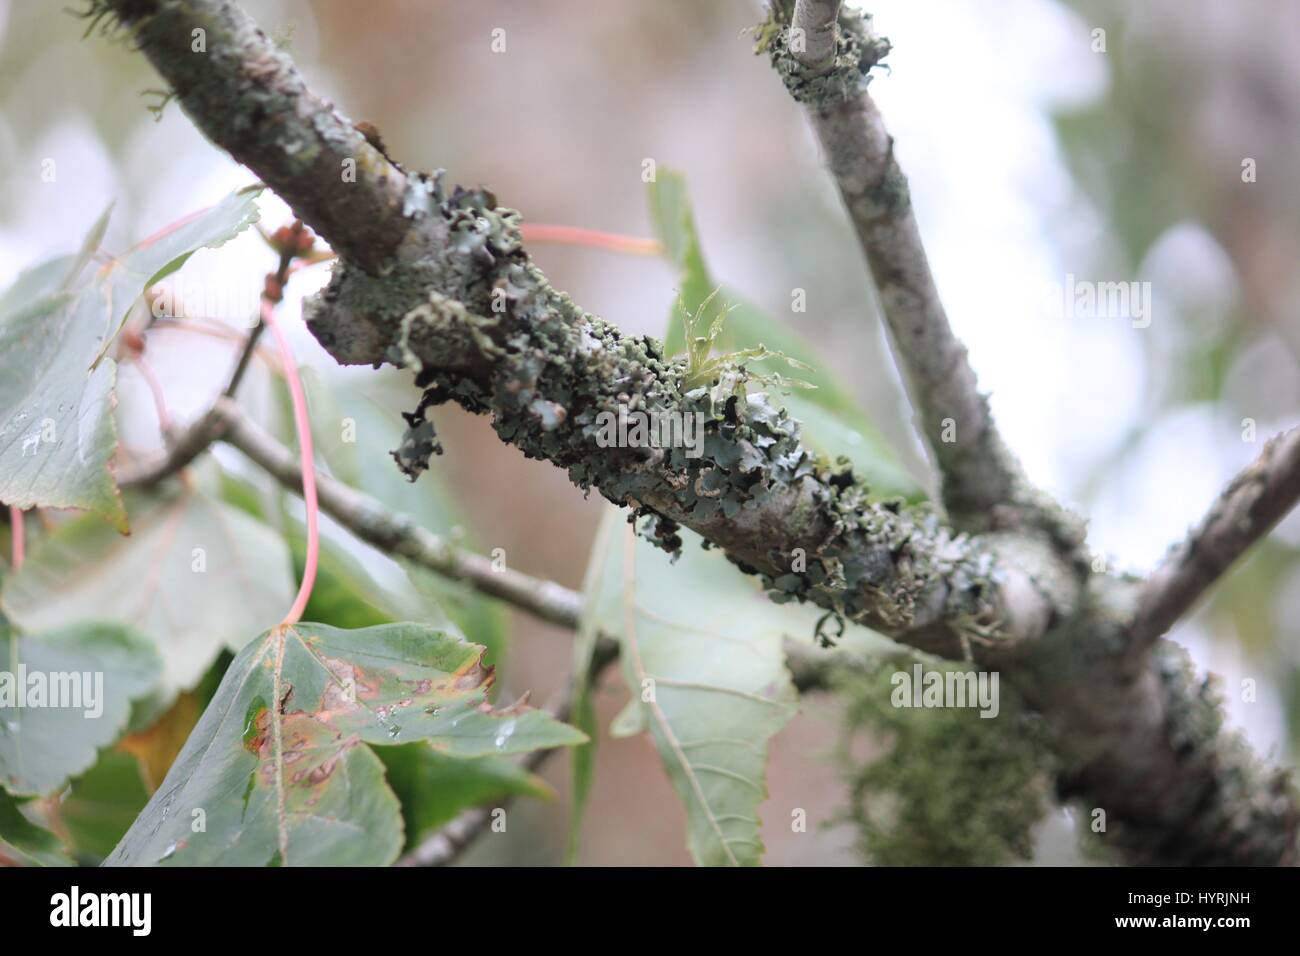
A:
(1254, 501)
(183, 447)
(224, 70)
(398, 534)
(461, 304)
(816, 18)
(982, 484)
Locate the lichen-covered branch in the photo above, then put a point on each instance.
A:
(453, 296)
(459, 302)
(982, 484)
(244, 93)
(1254, 501)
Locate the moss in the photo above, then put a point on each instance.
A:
(952, 789)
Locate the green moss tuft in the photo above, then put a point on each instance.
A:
(953, 789)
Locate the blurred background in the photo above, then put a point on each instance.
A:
(1037, 147)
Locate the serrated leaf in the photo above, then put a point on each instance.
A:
(195, 575)
(434, 788)
(57, 436)
(279, 764)
(829, 407)
(706, 667)
(99, 667)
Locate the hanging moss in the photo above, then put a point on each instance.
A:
(953, 788)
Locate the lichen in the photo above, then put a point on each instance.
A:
(952, 788)
(857, 51)
(1246, 813)
(464, 308)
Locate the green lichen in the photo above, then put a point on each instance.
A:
(857, 51)
(952, 788)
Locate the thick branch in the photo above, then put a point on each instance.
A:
(1254, 501)
(239, 88)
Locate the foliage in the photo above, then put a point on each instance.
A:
(291, 729)
(57, 323)
(708, 678)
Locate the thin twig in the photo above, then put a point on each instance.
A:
(982, 483)
(184, 446)
(398, 534)
(273, 293)
(817, 20)
(1254, 501)
(245, 359)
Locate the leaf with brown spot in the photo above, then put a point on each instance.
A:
(297, 782)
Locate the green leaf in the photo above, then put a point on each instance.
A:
(24, 841)
(57, 437)
(102, 804)
(434, 789)
(195, 575)
(278, 765)
(829, 412)
(704, 658)
(139, 269)
(99, 667)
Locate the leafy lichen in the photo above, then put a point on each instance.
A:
(465, 308)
